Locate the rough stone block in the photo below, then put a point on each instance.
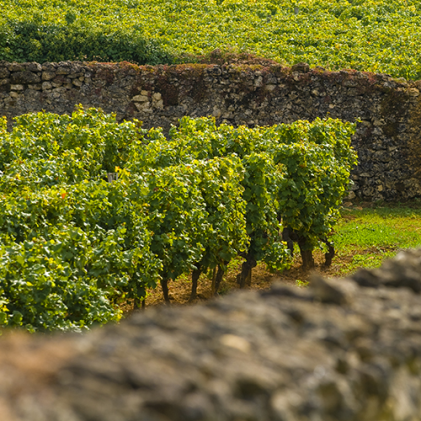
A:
(300, 67)
(140, 98)
(4, 73)
(24, 77)
(48, 75)
(46, 86)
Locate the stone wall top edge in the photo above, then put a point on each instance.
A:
(199, 67)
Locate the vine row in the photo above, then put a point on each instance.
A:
(74, 246)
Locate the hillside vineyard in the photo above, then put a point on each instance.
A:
(371, 35)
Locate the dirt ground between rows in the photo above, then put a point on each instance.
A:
(261, 279)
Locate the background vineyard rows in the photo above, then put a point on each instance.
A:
(374, 35)
(74, 246)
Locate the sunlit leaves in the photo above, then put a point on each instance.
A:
(74, 245)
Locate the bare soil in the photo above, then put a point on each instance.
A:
(261, 279)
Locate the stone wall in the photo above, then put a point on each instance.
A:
(388, 139)
(341, 350)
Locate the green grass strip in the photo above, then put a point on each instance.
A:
(366, 237)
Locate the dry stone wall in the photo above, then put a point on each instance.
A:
(388, 139)
(341, 350)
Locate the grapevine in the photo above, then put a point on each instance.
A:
(75, 246)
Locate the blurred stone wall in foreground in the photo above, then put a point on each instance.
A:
(346, 349)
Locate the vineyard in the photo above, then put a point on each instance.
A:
(94, 212)
(159, 153)
(375, 35)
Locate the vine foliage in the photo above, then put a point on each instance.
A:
(74, 246)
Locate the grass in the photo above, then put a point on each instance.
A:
(363, 237)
